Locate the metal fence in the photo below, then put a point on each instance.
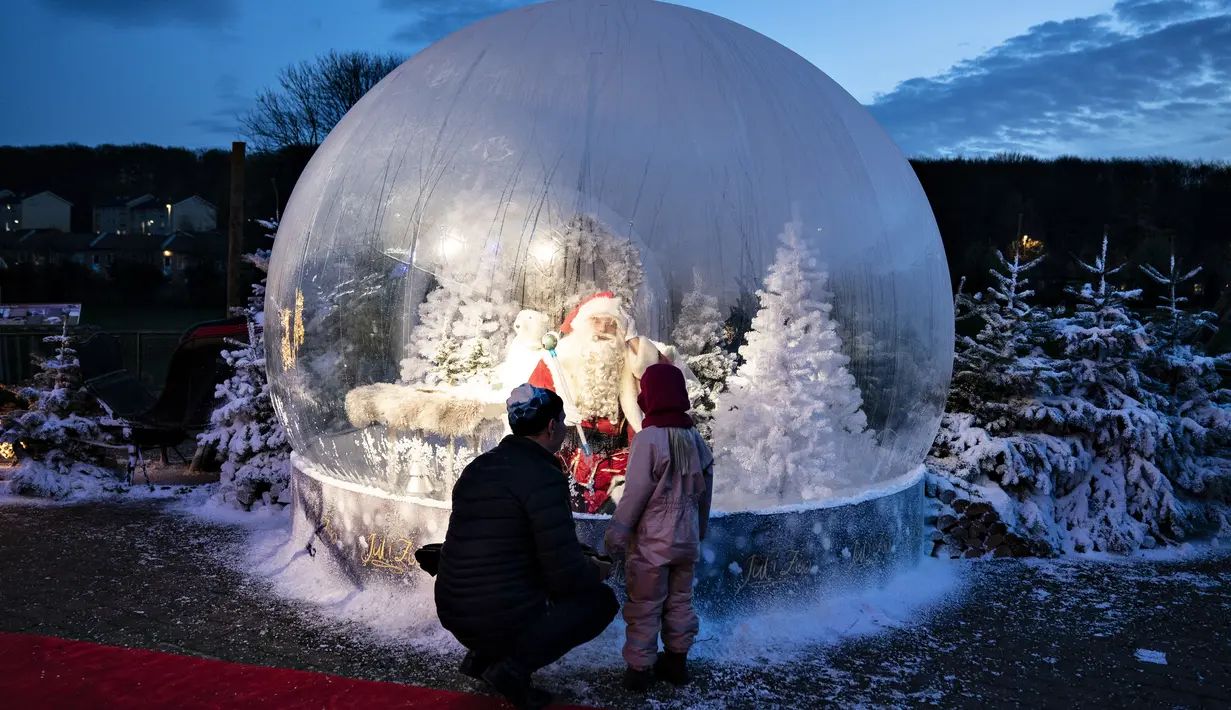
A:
(147, 354)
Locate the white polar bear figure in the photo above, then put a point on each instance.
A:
(525, 349)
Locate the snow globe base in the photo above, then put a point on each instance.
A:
(771, 559)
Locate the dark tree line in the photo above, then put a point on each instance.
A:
(1066, 204)
(1144, 205)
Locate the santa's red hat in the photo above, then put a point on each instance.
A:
(604, 303)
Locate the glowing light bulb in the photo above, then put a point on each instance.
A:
(544, 251)
(450, 245)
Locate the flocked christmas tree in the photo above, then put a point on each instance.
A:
(244, 429)
(459, 335)
(792, 414)
(479, 363)
(700, 336)
(54, 436)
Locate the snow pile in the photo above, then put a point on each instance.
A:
(53, 436)
(244, 431)
(404, 615)
(1146, 655)
(1090, 432)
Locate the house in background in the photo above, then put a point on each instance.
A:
(141, 215)
(46, 210)
(193, 214)
(174, 255)
(149, 215)
(10, 211)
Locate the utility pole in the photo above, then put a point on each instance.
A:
(235, 227)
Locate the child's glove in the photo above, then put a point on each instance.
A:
(612, 542)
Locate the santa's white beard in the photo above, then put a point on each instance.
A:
(594, 369)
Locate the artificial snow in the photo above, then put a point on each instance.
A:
(404, 614)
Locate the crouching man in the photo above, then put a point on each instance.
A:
(514, 585)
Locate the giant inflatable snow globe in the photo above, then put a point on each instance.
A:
(565, 194)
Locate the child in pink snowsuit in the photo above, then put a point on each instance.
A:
(661, 521)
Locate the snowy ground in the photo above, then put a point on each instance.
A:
(1101, 632)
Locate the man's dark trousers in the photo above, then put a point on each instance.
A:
(566, 623)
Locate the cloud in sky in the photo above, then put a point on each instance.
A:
(1149, 77)
(145, 13)
(433, 19)
(231, 103)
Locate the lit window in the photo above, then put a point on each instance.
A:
(1198, 289)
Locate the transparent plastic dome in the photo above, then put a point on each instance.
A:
(668, 157)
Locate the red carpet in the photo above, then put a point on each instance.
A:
(41, 673)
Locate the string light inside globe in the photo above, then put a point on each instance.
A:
(450, 245)
(543, 250)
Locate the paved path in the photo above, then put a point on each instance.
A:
(1032, 634)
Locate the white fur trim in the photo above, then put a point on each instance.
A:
(616, 490)
(612, 307)
(406, 408)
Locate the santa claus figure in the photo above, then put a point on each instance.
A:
(600, 360)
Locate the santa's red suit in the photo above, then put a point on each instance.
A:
(596, 331)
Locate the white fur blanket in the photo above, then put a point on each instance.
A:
(436, 411)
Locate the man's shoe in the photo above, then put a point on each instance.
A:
(672, 667)
(473, 665)
(513, 684)
(638, 680)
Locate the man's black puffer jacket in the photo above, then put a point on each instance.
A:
(511, 545)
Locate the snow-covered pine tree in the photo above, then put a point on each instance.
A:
(994, 370)
(53, 435)
(1189, 389)
(1118, 500)
(701, 338)
(994, 433)
(792, 409)
(244, 428)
